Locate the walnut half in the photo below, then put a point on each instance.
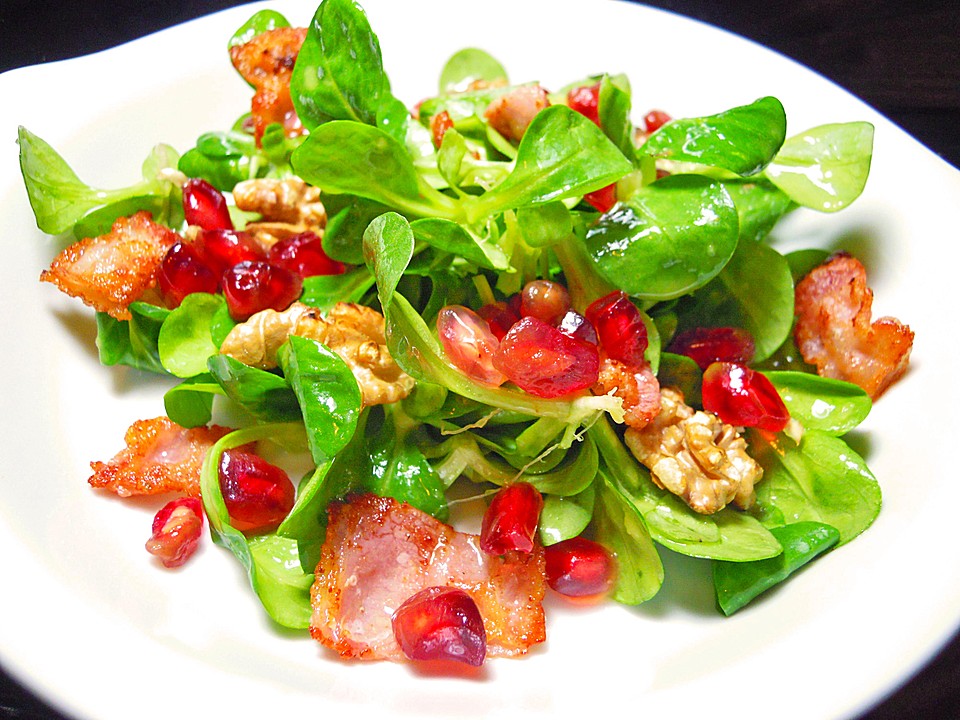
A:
(287, 207)
(696, 456)
(354, 332)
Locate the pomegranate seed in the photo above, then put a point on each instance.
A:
(511, 520)
(620, 327)
(586, 101)
(741, 396)
(576, 325)
(223, 248)
(303, 254)
(176, 531)
(579, 567)
(258, 495)
(439, 124)
(500, 318)
(545, 300)
(543, 361)
(205, 206)
(709, 345)
(655, 119)
(182, 272)
(441, 623)
(603, 199)
(469, 343)
(255, 285)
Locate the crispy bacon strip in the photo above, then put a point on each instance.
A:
(379, 552)
(511, 113)
(160, 457)
(833, 329)
(110, 271)
(266, 62)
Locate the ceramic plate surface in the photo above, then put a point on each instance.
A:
(101, 631)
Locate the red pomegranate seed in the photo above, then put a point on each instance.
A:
(586, 101)
(655, 119)
(545, 300)
(176, 531)
(579, 567)
(258, 495)
(543, 361)
(439, 124)
(303, 254)
(576, 325)
(500, 318)
(182, 272)
(603, 199)
(205, 206)
(441, 623)
(469, 343)
(223, 248)
(510, 521)
(709, 345)
(744, 397)
(255, 285)
(620, 327)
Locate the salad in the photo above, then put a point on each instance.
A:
(507, 292)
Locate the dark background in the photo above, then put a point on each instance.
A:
(900, 56)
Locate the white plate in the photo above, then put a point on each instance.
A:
(94, 626)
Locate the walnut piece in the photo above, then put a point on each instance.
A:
(288, 207)
(354, 332)
(696, 456)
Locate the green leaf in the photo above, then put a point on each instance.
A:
(132, 342)
(725, 535)
(565, 516)
(454, 238)
(190, 404)
(387, 249)
(466, 67)
(339, 71)
(668, 239)
(614, 112)
(737, 584)
(821, 480)
(325, 291)
(826, 167)
(743, 139)
(59, 198)
(544, 225)
(185, 341)
(562, 155)
(326, 391)
(621, 529)
(271, 561)
(347, 157)
(754, 291)
(760, 206)
(831, 406)
(266, 396)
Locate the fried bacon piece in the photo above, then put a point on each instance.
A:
(379, 552)
(266, 62)
(833, 329)
(638, 387)
(110, 271)
(511, 113)
(160, 457)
